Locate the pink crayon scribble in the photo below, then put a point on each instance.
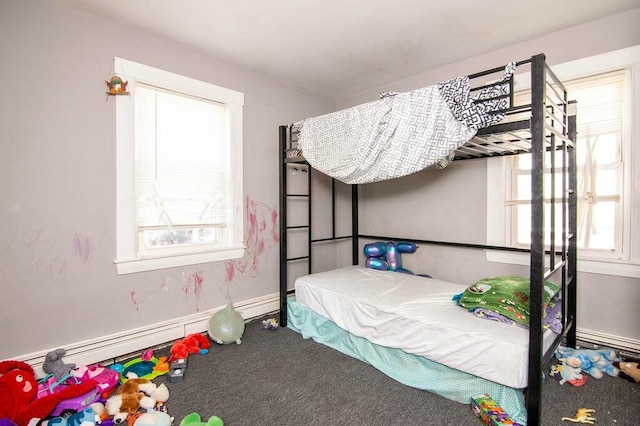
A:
(262, 235)
(133, 299)
(194, 281)
(133, 295)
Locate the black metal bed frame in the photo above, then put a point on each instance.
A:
(549, 125)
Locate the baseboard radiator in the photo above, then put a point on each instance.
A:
(627, 348)
(129, 344)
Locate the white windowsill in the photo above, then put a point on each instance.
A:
(609, 267)
(130, 266)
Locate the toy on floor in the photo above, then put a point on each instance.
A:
(85, 417)
(191, 344)
(177, 370)
(53, 364)
(582, 416)
(141, 369)
(106, 378)
(628, 370)
(194, 419)
(154, 418)
(226, 326)
(18, 388)
(69, 405)
(132, 395)
(488, 410)
(594, 362)
(270, 324)
(146, 355)
(565, 373)
(99, 411)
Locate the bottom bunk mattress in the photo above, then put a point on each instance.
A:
(410, 370)
(418, 316)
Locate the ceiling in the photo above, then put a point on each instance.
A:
(341, 48)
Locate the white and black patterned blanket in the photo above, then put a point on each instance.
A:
(400, 134)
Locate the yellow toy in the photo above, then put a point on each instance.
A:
(582, 416)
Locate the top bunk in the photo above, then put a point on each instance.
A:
(505, 110)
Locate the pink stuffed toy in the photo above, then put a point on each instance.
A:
(18, 389)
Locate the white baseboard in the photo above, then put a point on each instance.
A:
(608, 340)
(107, 349)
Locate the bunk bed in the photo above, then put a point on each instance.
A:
(545, 123)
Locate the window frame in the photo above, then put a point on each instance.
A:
(498, 172)
(128, 260)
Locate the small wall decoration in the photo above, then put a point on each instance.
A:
(117, 86)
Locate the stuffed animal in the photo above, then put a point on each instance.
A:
(18, 389)
(270, 324)
(154, 418)
(81, 418)
(594, 362)
(628, 370)
(132, 395)
(53, 364)
(194, 419)
(191, 344)
(566, 373)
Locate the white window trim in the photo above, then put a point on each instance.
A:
(127, 260)
(497, 179)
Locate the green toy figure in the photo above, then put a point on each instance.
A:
(193, 419)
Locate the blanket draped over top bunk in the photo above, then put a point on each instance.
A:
(402, 133)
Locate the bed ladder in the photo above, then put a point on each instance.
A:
(545, 264)
(285, 196)
(286, 135)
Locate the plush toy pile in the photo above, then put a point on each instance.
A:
(91, 395)
(595, 362)
(133, 395)
(19, 389)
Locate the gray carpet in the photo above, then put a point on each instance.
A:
(279, 378)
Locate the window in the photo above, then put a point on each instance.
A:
(600, 168)
(179, 171)
(605, 95)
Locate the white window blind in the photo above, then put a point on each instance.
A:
(181, 169)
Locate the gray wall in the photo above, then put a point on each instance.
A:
(450, 204)
(57, 192)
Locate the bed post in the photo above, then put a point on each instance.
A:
(572, 282)
(354, 225)
(536, 266)
(283, 226)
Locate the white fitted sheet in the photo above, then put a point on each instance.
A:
(417, 315)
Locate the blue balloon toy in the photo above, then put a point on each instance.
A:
(388, 256)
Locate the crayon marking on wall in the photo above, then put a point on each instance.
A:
(82, 248)
(193, 283)
(262, 234)
(132, 294)
(56, 269)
